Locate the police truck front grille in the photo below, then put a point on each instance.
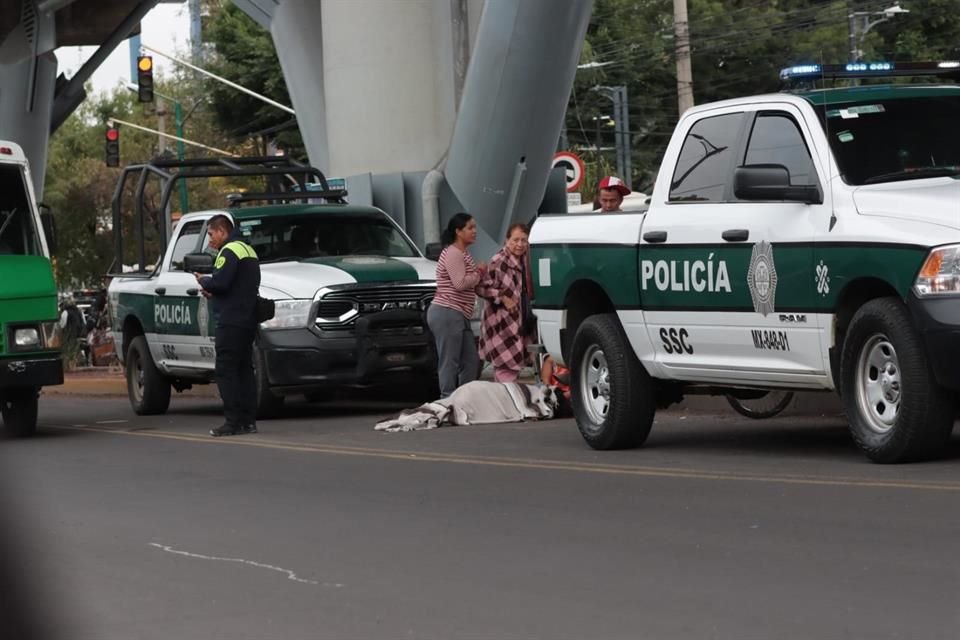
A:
(337, 311)
(333, 309)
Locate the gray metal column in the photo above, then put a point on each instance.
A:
(297, 33)
(26, 102)
(521, 72)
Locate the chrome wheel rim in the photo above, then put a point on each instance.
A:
(879, 389)
(595, 384)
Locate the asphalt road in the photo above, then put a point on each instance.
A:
(319, 527)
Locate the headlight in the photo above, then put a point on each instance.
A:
(289, 314)
(940, 273)
(26, 337)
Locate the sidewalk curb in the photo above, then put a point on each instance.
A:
(106, 385)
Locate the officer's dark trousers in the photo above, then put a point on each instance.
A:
(235, 377)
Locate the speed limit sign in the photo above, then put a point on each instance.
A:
(572, 166)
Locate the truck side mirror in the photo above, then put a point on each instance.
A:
(198, 263)
(771, 182)
(433, 251)
(49, 227)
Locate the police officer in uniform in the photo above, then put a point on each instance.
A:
(233, 288)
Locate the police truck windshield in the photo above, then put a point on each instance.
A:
(18, 235)
(890, 138)
(280, 238)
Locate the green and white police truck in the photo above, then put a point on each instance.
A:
(349, 286)
(805, 240)
(29, 349)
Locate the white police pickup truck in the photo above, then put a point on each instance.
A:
(804, 240)
(350, 290)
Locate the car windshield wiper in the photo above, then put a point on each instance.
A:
(914, 174)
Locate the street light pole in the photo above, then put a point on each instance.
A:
(859, 24)
(621, 121)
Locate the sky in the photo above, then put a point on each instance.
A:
(166, 27)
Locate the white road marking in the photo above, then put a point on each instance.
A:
(290, 574)
(112, 421)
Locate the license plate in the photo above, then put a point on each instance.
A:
(396, 357)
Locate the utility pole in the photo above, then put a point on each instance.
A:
(196, 32)
(681, 30)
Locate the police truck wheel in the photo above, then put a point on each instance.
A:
(148, 389)
(766, 405)
(19, 410)
(613, 396)
(896, 409)
(268, 403)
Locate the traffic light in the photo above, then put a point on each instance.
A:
(112, 137)
(145, 78)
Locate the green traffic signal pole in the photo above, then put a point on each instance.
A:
(181, 149)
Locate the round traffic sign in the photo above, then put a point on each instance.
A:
(572, 165)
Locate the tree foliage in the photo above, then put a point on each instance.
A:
(243, 52)
(738, 48)
(80, 187)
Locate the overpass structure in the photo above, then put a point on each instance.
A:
(426, 107)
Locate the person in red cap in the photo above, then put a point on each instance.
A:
(612, 190)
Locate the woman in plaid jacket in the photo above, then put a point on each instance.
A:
(504, 288)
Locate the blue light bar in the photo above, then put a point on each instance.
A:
(800, 70)
(878, 69)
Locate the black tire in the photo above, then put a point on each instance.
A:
(896, 409)
(268, 402)
(19, 410)
(147, 388)
(770, 404)
(613, 395)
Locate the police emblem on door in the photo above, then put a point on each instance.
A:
(762, 278)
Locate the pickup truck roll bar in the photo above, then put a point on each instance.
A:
(170, 170)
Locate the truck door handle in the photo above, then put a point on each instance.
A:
(736, 235)
(192, 292)
(160, 291)
(655, 236)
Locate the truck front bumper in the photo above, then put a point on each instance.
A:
(388, 348)
(938, 321)
(30, 371)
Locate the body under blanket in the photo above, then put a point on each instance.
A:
(478, 402)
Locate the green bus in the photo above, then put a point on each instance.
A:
(29, 346)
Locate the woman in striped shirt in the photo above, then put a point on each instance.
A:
(450, 312)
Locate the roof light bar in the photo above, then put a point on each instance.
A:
(877, 69)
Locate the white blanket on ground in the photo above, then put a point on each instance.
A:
(478, 402)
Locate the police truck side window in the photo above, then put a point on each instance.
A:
(776, 139)
(704, 166)
(187, 242)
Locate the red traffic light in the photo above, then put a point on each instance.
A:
(113, 134)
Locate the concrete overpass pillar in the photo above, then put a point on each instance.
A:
(514, 101)
(389, 81)
(26, 102)
(297, 30)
